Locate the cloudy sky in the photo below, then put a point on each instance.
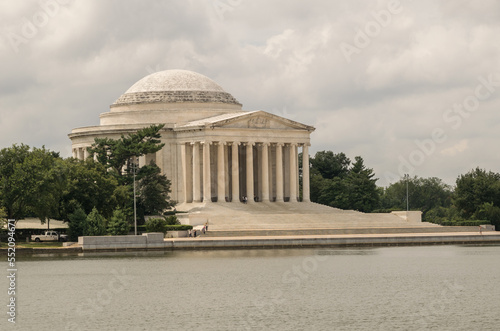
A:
(411, 86)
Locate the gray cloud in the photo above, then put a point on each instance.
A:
(280, 56)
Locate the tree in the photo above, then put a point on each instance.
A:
(3, 218)
(118, 154)
(361, 192)
(337, 184)
(487, 211)
(88, 185)
(153, 189)
(26, 187)
(330, 165)
(77, 224)
(118, 224)
(476, 188)
(96, 224)
(425, 194)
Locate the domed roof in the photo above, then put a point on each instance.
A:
(173, 86)
(175, 80)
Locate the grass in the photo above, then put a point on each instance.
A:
(50, 244)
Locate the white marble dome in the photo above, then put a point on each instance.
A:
(175, 80)
(175, 86)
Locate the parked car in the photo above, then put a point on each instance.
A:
(49, 236)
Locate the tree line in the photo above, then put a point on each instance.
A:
(338, 182)
(36, 182)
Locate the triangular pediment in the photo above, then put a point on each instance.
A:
(260, 120)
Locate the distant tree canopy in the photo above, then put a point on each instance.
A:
(36, 182)
(27, 181)
(337, 183)
(424, 194)
(477, 195)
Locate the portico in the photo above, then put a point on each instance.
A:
(233, 170)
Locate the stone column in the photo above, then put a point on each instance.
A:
(221, 178)
(265, 173)
(279, 172)
(74, 153)
(196, 172)
(184, 172)
(249, 160)
(142, 161)
(305, 173)
(235, 173)
(293, 174)
(85, 153)
(159, 160)
(207, 193)
(296, 152)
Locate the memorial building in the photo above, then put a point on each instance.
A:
(214, 151)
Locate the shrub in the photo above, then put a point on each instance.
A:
(156, 225)
(489, 212)
(96, 224)
(172, 220)
(118, 224)
(77, 224)
(465, 223)
(180, 227)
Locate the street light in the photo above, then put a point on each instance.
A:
(135, 208)
(407, 177)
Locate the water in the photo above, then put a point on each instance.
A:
(393, 288)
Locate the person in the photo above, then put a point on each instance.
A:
(189, 233)
(480, 230)
(206, 226)
(245, 199)
(194, 233)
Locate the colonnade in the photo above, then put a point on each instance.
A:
(219, 171)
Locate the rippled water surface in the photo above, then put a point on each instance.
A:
(393, 288)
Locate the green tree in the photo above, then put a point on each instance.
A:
(88, 185)
(26, 185)
(330, 165)
(424, 194)
(117, 154)
(476, 188)
(119, 157)
(3, 219)
(153, 189)
(96, 224)
(337, 183)
(361, 192)
(77, 224)
(118, 224)
(490, 212)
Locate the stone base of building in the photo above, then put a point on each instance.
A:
(285, 215)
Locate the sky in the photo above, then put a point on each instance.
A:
(413, 87)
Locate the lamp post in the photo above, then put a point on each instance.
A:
(407, 177)
(135, 208)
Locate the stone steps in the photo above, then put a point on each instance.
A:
(339, 231)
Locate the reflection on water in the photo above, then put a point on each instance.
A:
(385, 288)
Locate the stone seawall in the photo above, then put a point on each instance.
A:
(156, 241)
